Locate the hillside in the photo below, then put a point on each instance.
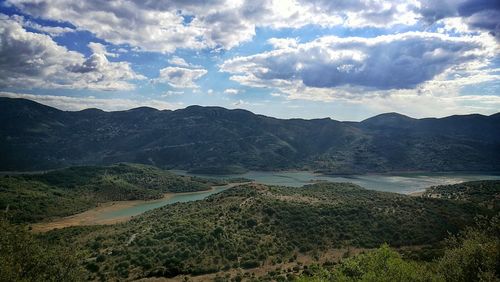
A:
(484, 193)
(37, 137)
(256, 225)
(35, 197)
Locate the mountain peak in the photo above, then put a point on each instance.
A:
(389, 120)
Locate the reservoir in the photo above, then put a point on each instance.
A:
(397, 183)
(403, 184)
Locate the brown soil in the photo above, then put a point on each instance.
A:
(92, 216)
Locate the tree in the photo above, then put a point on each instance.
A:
(24, 258)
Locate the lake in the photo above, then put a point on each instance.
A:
(398, 183)
(402, 183)
(149, 205)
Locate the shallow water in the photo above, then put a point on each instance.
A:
(404, 184)
(398, 183)
(149, 205)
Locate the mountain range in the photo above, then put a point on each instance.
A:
(213, 139)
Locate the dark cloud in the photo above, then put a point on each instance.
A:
(389, 62)
(29, 59)
(180, 77)
(478, 14)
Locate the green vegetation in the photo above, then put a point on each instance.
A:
(254, 225)
(473, 255)
(35, 197)
(24, 258)
(37, 137)
(248, 227)
(483, 193)
(219, 170)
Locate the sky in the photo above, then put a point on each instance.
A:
(343, 59)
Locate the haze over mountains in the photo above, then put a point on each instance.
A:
(37, 137)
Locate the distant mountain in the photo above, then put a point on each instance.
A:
(37, 137)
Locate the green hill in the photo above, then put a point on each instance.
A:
(35, 197)
(255, 225)
(484, 193)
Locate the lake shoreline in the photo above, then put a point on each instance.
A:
(94, 216)
(412, 184)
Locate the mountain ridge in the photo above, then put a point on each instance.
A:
(35, 136)
(4, 99)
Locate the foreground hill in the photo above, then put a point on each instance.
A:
(35, 197)
(261, 226)
(483, 193)
(34, 137)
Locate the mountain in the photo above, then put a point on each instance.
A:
(38, 137)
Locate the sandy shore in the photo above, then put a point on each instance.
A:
(417, 193)
(94, 216)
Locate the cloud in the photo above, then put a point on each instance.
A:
(282, 43)
(231, 91)
(32, 60)
(331, 65)
(170, 93)
(428, 105)
(477, 14)
(81, 103)
(178, 61)
(366, 13)
(50, 30)
(120, 22)
(98, 48)
(179, 77)
(165, 26)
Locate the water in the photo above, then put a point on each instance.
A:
(397, 183)
(149, 205)
(403, 184)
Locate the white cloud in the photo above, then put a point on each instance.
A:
(282, 43)
(231, 91)
(98, 48)
(427, 105)
(170, 93)
(35, 60)
(121, 22)
(164, 26)
(330, 67)
(81, 103)
(178, 61)
(51, 30)
(180, 77)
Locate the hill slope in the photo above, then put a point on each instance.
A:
(483, 193)
(31, 198)
(252, 225)
(34, 137)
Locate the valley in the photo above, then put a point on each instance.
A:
(207, 193)
(255, 225)
(250, 141)
(238, 229)
(110, 212)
